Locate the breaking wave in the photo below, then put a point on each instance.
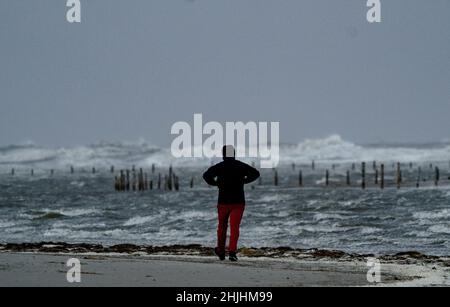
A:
(332, 149)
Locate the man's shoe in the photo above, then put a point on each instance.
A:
(233, 256)
(220, 255)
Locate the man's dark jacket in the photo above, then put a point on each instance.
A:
(230, 175)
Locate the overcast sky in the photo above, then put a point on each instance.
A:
(133, 68)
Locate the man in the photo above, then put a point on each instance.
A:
(229, 176)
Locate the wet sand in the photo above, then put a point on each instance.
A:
(193, 266)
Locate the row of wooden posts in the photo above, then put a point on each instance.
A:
(139, 181)
(379, 175)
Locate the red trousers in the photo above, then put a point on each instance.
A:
(234, 214)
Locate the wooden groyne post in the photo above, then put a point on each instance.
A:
(419, 177)
(275, 178)
(122, 181)
(176, 183)
(327, 177)
(436, 176)
(127, 182)
(382, 176)
(300, 178)
(169, 179)
(363, 175)
(348, 178)
(399, 175)
(141, 180)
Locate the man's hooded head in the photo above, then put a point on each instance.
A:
(228, 152)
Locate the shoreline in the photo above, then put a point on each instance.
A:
(44, 264)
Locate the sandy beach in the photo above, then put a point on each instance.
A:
(191, 267)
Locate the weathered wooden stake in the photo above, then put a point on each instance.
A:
(376, 176)
(436, 176)
(363, 175)
(300, 178)
(313, 165)
(141, 180)
(176, 184)
(419, 175)
(327, 177)
(382, 176)
(122, 181)
(169, 179)
(13, 172)
(159, 181)
(153, 168)
(72, 170)
(348, 178)
(133, 182)
(166, 184)
(374, 165)
(399, 175)
(127, 183)
(191, 184)
(275, 178)
(32, 172)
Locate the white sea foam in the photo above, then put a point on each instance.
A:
(432, 215)
(332, 149)
(324, 216)
(6, 224)
(139, 220)
(72, 212)
(440, 228)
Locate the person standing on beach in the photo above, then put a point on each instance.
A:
(230, 176)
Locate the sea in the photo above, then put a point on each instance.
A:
(55, 205)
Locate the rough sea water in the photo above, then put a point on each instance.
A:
(84, 207)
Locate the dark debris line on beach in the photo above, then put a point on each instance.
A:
(410, 257)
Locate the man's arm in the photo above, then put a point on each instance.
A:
(251, 174)
(210, 176)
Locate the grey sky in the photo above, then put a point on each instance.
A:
(132, 68)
